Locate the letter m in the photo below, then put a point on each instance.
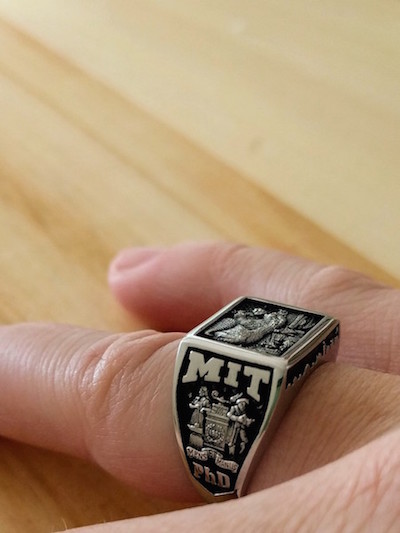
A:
(198, 368)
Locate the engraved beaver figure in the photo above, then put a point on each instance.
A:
(249, 327)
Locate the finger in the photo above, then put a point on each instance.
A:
(179, 287)
(96, 395)
(109, 398)
(357, 493)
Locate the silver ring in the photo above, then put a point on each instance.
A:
(235, 376)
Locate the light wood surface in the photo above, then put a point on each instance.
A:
(125, 123)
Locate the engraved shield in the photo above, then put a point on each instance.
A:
(223, 399)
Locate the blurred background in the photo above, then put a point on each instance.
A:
(155, 121)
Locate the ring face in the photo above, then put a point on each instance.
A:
(235, 375)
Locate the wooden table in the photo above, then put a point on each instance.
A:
(151, 122)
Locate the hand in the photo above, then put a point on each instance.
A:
(333, 463)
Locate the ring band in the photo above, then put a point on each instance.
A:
(235, 376)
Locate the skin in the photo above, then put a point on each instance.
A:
(333, 463)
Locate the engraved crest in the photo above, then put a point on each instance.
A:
(218, 423)
(221, 404)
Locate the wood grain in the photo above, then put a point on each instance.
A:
(303, 100)
(127, 123)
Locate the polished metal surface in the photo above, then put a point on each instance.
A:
(235, 376)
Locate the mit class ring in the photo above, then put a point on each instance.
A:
(235, 376)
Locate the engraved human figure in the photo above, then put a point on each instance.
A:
(237, 414)
(199, 405)
(283, 339)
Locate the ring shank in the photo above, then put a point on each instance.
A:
(235, 376)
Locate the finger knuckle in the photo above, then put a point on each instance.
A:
(334, 282)
(113, 376)
(338, 278)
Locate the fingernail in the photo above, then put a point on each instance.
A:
(133, 257)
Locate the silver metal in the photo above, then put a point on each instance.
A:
(235, 376)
